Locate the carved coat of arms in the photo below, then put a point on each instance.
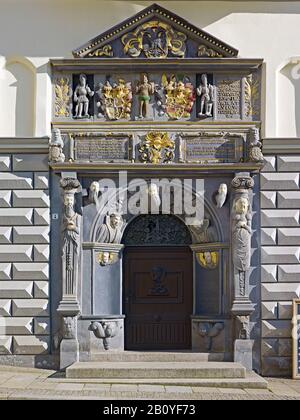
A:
(115, 100)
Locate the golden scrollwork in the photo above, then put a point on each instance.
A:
(208, 260)
(63, 95)
(115, 100)
(155, 39)
(180, 97)
(203, 51)
(105, 51)
(252, 87)
(157, 148)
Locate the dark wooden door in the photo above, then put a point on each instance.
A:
(158, 298)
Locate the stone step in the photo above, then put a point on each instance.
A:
(156, 356)
(156, 370)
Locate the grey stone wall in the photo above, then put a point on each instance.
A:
(24, 248)
(280, 252)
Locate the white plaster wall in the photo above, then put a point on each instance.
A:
(40, 29)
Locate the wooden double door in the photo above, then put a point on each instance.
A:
(158, 298)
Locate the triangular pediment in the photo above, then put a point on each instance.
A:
(155, 33)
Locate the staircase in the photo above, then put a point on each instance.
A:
(155, 368)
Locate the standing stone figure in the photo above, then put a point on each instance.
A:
(145, 89)
(81, 94)
(242, 234)
(56, 147)
(206, 91)
(111, 231)
(255, 146)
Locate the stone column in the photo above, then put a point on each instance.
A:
(69, 307)
(241, 231)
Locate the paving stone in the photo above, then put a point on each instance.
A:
(151, 388)
(5, 345)
(31, 234)
(5, 271)
(269, 273)
(280, 254)
(289, 236)
(41, 180)
(69, 387)
(30, 271)
(30, 345)
(268, 199)
(41, 326)
(5, 163)
(5, 235)
(20, 181)
(98, 387)
(124, 387)
(30, 307)
(41, 289)
(270, 164)
(285, 310)
(18, 253)
(276, 329)
(16, 289)
(280, 218)
(42, 217)
(12, 217)
(269, 310)
(268, 236)
(11, 326)
(5, 306)
(178, 389)
(289, 273)
(279, 181)
(280, 291)
(41, 252)
(5, 198)
(29, 161)
(30, 198)
(288, 199)
(288, 163)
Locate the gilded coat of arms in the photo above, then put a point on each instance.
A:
(115, 100)
(157, 148)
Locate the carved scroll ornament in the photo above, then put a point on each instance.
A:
(63, 96)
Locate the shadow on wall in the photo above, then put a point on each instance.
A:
(288, 101)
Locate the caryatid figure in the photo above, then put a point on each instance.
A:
(206, 91)
(145, 89)
(81, 94)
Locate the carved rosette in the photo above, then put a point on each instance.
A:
(63, 97)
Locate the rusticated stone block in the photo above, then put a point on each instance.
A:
(16, 326)
(18, 253)
(280, 254)
(41, 289)
(41, 253)
(41, 180)
(4, 163)
(270, 164)
(289, 236)
(277, 366)
(5, 198)
(30, 162)
(269, 273)
(285, 310)
(280, 291)
(30, 345)
(5, 271)
(280, 218)
(5, 235)
(16, 289)
(268, 236)
(279, 181)
(268, 199)
(30, 198)
(10, 217)
(269, 310)
(269, 347)
(289, 273)
(30, 271)
(5, 345)
(5, 306)
(41, 326)
(21, 181)
(31, 235)
(288, 163)
(276, 329)
(30, 307)
(41, 217)
(288, 199)
(285, 347)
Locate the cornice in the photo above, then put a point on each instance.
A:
(24, 145)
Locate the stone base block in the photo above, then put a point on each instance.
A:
(69, 353)
(243, 353)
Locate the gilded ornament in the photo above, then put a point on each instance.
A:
(63, 95)
(155, 39)
(115, 100)
(106, 51)
(208, 260)
(252, 87)
(203, 51)
(157, 148)
(107, 258)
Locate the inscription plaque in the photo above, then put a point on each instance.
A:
(229, 98)
(213, 149)
(296, 339)
(102, 149)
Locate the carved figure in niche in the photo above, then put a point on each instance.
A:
(105, 330)
(107, 258)
(242, 234)
(115, 100)
(111, 231)
(221, 195)
(69, 328)
(81, 94)
(210, 331)
(94, 192)
(208, 259)
(206, 91)
(144, 89)
(255, 146)
(158, 274)
(56, 147)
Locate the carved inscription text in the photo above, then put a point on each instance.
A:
(101, 149)
(229, 98)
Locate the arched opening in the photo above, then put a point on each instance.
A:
(158, 284)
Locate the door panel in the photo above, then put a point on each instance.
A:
(158, 298)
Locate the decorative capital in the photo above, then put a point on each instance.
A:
(242, 182)
(69, 184)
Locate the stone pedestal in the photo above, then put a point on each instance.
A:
(69, 353)
(243, 353)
